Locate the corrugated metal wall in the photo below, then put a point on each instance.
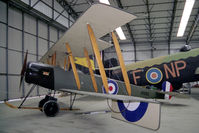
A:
(144, 52)
(19, 32)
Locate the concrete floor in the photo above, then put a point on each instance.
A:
(179, 116)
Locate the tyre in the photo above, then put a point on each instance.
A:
(41, 104)
(51, 108)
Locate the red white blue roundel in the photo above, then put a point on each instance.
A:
(154, 75)
(132, 111)
(112, 86)
(167, 87)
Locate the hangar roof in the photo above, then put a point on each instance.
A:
(158, 20)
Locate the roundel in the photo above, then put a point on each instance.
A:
(112, 86)
(133, 111)
(154, 75)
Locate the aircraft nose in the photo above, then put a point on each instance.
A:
(40, 74)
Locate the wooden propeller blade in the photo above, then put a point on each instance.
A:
(23, 69)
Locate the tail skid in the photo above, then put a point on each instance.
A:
(143, 114)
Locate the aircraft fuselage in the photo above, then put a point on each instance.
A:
(177, 69)
(55, 78)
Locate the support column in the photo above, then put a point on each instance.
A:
(48, 30)
(98, 58)
(68, 65)
(54, 60)
(73, 66)
(65, 60)
(122, 65)
(23, 83)
(37, 47)
(7, 85)
(90, 70)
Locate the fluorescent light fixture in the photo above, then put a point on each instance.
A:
(105, 2)
(120, 33)
(185, 17)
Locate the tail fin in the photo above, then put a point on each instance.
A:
(167, 87)
(139, 113)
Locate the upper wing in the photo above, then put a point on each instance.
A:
(102, 18)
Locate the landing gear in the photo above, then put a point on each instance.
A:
(41, 104)
(43, 101)
(32, 88)
(49, 105)
(72, 100)
(51, 108)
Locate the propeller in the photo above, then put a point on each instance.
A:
(23, 70)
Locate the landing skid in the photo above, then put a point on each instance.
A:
(33, 108)
(48, 105)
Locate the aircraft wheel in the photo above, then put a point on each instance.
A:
(51, 108)
(41, 104)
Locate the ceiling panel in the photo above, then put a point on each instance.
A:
(156, 19)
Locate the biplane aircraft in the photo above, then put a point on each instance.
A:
(131, 103)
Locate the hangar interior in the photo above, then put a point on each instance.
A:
(35, 25)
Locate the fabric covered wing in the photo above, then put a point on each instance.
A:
(102, 18)
(109, 96)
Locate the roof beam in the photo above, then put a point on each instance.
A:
(149, 20)
(149, 26)
(129, 30)
(90, 2)
(160, 41)
(171, 24)
(192, 29)
(156, 3)
(68, 8)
